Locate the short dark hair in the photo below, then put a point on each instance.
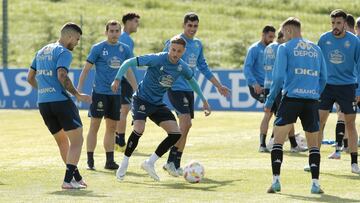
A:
(338, 13)
(177, 39)
(129, 16)
(71, 26)
(268, 28)
(191, 17)
(292, 21)
(358, 22)
(350, 20)
(112, 22)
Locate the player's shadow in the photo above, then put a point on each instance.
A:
(85, 193)
(351, 177)
(137, 153)
(321, 198)
(296, 154)
(206, 184)
(106, 172)
(136, 174)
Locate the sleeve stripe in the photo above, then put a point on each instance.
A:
(67, 70)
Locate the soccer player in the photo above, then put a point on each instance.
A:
(340, 132)
(341, 50)
(131, 23)
(107, 56)
(163, 70)
(358, 27)
(254, 74)
(300, 71)
(181, 95)
(49, 75)
(269, 60)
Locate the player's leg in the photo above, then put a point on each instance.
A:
(339, 134)
(109, 143)
(310, 121)
(112, 116)
(69, 118)
(91, 141)
(63, 143)
(327, 100)
(264, 126)
(347, 103)
(183, 103)
(125, 99)
(286, 116)
(323, 115)
(166, 120)
(96, 112)
(140, 111)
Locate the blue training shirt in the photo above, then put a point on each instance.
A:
(194, 57)
(107, 59)
(161, 74)
(126, 39)
(300, 70)
(341, 56)
(46, 62)
(269, 60)
(254, 64)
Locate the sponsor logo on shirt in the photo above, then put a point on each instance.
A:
(270, 53)
(305, 71)
(304, 91)
(46, 90)
(179, 68)
(166, 80)
(114, 62)
(336, 57)
(267, 68)
(45, 54)
(44, 72)
(192, 60)
(305, 49)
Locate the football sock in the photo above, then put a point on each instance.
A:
(132, 143)
(90, 158)
(314, 162)
(276, 158)
(346, 143)
(109, 157)
(354, 157)
(178, 159)
(77, 175)
(340, 132)
(262, 140)
(293, 141)
(69, 174)
(172, 154)
(165, 145)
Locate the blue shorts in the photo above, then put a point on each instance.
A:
(344, 95)
(141, 110)
(107, 106)
(60, 115)
(126, 92)
(182, 101)
(258, 97)
(292, 108)
(277, 101)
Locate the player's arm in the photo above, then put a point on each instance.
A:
(132, 62)
(65, 81)
(130, 76)
(31, 77)
(204, 69)
(279, 72)
(248, 66)
(83, 75)
(195, 86)
(357, 61)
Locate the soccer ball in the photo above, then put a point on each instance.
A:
(194, 172)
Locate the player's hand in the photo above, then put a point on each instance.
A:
(258, 89)
(224, 91)
(267, 110)
(115, 85)
(206, 108)
(84, 98)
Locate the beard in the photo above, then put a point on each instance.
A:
(337, 32)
